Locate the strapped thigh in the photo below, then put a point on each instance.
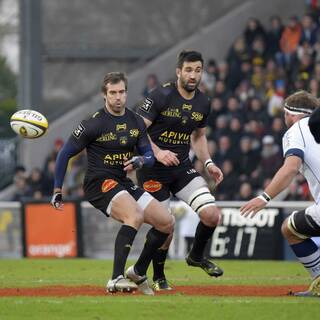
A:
(304, 224)
(196, 194)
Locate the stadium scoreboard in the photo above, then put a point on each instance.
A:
(237, 237)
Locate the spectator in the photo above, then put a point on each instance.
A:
(58, 143)
(228, 188)
(235, 132)
(253, 30)
(277, 130)
(309, 30)
(274, 35)
(48, 178)
(289, 42)
(247, 159)
(221, 128)
(151, 83)
(209, 76)
(21, 189)
(276, 99)
(234, 109)
(35, 181)
(314, 88)
(245, 192)
(271, 157)
(256, 111)
(225, 151)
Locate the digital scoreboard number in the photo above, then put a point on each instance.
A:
(242, 238)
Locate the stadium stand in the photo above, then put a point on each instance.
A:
(264, 64)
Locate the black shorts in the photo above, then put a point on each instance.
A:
(100, 191)
(160, 181)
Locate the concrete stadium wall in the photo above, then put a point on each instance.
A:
(97, 35)
(210, 40)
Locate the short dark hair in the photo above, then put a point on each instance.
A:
(114, 78)
(188, 56)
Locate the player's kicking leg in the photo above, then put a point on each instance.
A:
(159, 217)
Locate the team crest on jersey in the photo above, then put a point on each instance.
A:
(184, 120)
(146, 106)
(108, 184)
(187, 107)
(121, 127)
(134, 133)
(152, 186)
(78, 131)
(197, 116)
(123, 140)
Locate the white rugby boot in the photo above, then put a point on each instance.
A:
(140, 281)
(121, 284)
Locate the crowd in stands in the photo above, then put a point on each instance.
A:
(245, 127)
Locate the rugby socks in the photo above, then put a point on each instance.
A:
(158, 261)
(122, 248)
(154, 240)
(309, 255)
(203, 234)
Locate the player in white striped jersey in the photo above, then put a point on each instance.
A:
(302, 154)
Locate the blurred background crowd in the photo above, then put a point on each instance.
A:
(245, 127)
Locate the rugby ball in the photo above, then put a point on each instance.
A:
(29, 124)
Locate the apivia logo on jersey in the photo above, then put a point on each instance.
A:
(174, 137)
(115, 159)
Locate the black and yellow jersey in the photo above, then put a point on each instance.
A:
(109, 140)
(174, 118)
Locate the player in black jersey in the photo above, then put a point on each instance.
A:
(110, 137)
(314, 124)
(176, 116)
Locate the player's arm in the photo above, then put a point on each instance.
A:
(199, 145)
(166, 157)
(280, 181)
(80, 138)
(146, 155)
(68, 151)
(146, 159)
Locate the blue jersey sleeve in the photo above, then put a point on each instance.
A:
(68, 151)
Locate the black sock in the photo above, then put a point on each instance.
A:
(158, 261)
(122, 248)
(203, 234)
(154, 240)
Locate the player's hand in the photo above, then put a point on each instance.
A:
(56, 201)
(133, 164)
(215, 173)
(167, 157)
(251, 208)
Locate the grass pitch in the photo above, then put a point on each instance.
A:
(34, 273)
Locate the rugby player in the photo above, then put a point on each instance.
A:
(302, 154)
(176, 115)
(110, 137)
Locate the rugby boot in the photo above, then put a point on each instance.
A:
(121, 284)
(140, 281)
(208, 266)
(161, 284)
(313, 291)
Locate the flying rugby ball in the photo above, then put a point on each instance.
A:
(29, 124)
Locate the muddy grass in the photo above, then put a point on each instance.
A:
(224, 290)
